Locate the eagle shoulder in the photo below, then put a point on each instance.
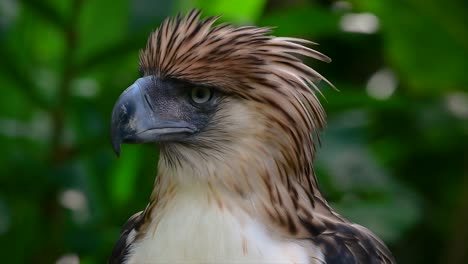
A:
(345, 242)
(127, 236)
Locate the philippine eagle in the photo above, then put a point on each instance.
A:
(236, 116)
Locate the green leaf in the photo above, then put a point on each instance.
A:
(301, 21)
(101, 24)
(425, 41)
(239, 12)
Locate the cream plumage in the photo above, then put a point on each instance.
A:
(236, 120)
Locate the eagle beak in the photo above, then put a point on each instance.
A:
(134, 119)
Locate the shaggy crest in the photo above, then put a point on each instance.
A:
(244, 61)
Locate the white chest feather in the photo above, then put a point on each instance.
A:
(195, 229)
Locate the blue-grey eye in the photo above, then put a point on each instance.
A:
(201, 95)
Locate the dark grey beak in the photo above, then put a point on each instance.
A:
(134, 119)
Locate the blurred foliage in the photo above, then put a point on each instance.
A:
(394, 156)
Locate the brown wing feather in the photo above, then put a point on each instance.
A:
(121, 248)
(343, 242)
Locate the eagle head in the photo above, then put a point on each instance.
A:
(222, 100)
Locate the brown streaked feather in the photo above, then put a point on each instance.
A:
(342, 242)
(121, 248)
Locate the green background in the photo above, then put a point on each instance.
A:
(393, 158)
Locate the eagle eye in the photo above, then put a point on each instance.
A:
(201, 95)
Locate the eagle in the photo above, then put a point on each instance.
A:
(236, 116)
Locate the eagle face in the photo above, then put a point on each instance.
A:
(196, 125)
(162, 110)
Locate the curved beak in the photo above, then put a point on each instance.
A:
(134, 119)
